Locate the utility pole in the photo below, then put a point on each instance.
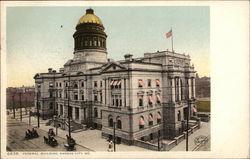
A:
(114, 135)
(26, 103)
(38, 107)
(13, 106)
(20, 100)
(188, 110)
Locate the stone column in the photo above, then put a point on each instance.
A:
(78, 90)
(58, 109)
(173, 89)
(179, 88)
(194, 87)
(189, 88)
(123, 91)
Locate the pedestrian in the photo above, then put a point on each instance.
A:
(110, 146)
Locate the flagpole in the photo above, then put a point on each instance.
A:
(172, 39)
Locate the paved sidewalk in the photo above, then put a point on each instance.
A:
(90, 139)
(204, 130)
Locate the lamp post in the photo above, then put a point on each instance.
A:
(69, 106)
(20, 103)
(159, 148)
(188, 111)
(13, 106)
(114, 123)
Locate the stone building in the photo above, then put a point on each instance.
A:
(144, 97)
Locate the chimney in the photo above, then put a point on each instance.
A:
(61, 70)
(128, 57)
(50, 70)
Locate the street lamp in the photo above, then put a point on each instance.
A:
(114, 123)
(69, 106)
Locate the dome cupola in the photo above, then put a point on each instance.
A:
(90, 32)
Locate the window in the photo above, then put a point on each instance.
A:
(77, 113)
(60, 84)
(179, 115)
(141, 122)
(140, 83)
(119, 123)
(117, 102)
(150, 100)
(141, 100)
(150, 120)
(82, 84)
(95, 113)
(95, 98)
(95, 83)
(75, 85)
(101, 97)
(158, 83)
(82, 96)
(120, 102)
(75, 96)
(158, 98)
(110, 121)
(50, 94)
(66, 84)
(149, 82)
(100, 83)
(158, 117)
(56, 84)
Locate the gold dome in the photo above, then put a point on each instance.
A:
(89, 17)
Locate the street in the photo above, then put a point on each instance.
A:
(204, 131)
(16, 139)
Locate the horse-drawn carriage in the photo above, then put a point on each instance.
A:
(30, 134)
(50, 140)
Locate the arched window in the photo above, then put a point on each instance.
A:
(158, 117)
(119, 123)
(110, 121)
(75, 85)
(95, 112)
(150, 120)
(141, 122)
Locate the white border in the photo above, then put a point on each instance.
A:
(229, 73)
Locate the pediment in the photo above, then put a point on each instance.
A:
(113, 67)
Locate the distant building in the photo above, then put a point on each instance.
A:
(143, 96)
(13, 97)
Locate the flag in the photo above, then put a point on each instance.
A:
(169, 34)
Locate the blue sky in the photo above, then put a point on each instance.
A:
(35, 40)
